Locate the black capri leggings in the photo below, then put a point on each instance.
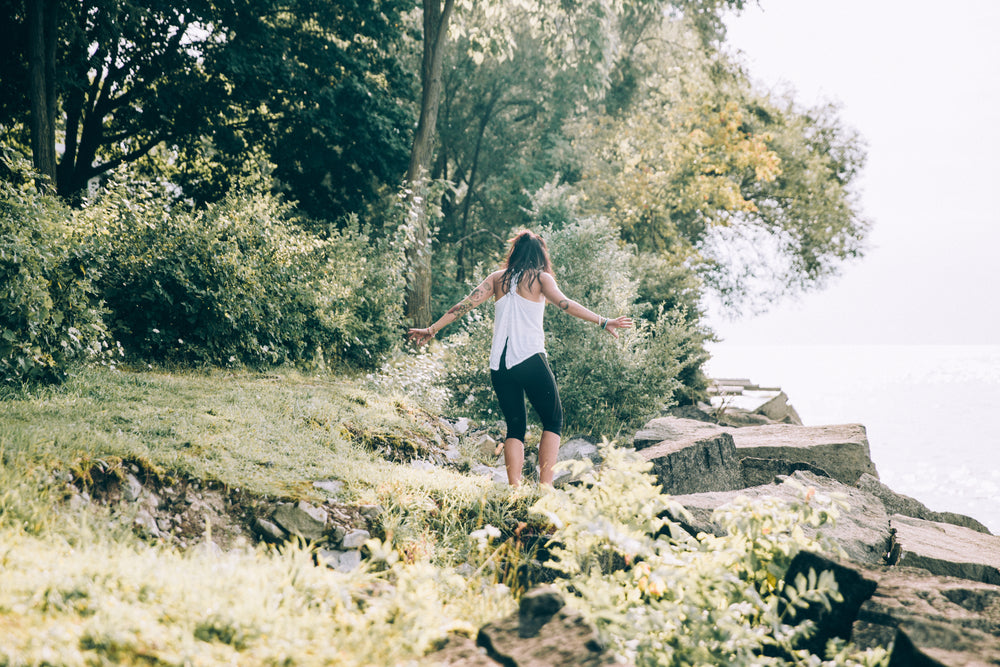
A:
(534, 378)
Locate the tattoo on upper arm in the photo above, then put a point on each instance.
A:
(563, 304)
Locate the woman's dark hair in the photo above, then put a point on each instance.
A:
(529, 256)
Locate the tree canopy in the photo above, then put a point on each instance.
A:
(633, 109)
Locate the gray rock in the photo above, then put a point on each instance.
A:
(779, 410)
(862, 531)
(897, 503)
(563, 639)
(145, 522)
(371, 513)
(537, 608)
(163, 523)
(837, 619)
(690, 456)
(461, 426)
(755, 471)
(498, 475)
(331, 487)
(675, 430)
(577, 449)
(841, 450)
(945, 549)
(303, 520)
(132, 488)
(418, 464)
(269, 532)
(355, 539)
(453, 453)
(932, 620)
(486, 446)
(342, 561)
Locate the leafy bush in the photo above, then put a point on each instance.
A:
(662, 597)
(50, 316)
(239, 282)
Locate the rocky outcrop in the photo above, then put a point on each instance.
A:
(944, 549)
(927, 619)
(689, 456)
(840, 451)
(544, 633)
(863, 532)
(926, 583)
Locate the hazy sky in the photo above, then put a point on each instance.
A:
(920, 81)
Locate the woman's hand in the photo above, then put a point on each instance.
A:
(420, 336)
(614, 325)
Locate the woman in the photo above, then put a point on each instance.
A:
(518, 364)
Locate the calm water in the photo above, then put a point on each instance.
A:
(931, 411)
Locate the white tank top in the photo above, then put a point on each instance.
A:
(518, 325)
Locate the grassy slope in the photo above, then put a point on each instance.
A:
(78, 586)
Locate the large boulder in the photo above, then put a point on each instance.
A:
(897, 503)
(841, 450)
(690, 456)
(928, 620)
(862, 531)
(544, 633)
(945, 549)
(932, 620)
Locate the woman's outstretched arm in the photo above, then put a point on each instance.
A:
(555, 296)
(482, 292)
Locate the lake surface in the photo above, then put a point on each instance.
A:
(931, 411)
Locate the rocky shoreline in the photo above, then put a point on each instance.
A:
(926, 583)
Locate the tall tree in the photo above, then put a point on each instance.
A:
(42, 23)
(319, 89)
(436, 16)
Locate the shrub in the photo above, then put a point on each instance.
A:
(662, 597)
(239, 282)
(50, 316)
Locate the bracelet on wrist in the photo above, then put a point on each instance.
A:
(604, 324)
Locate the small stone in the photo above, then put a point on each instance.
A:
(302, 520)
(371, 513)
(486, 446)
(163, 523)
(461, 426)
(349, 561)
(145, 522)
(452, 454)
(422, 465)
(132, 489)
(355, 539)
(332, 487)
(269, 531)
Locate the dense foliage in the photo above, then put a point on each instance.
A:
(240, 282)
(50, 311)
(661, 596)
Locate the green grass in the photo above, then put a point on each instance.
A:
(78, 587)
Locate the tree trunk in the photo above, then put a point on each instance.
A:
(41, 65)
(418, 253)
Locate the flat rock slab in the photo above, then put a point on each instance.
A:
(862, 531)
(933, 620)
(841, 450)
(945, 549)
(696, 463)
